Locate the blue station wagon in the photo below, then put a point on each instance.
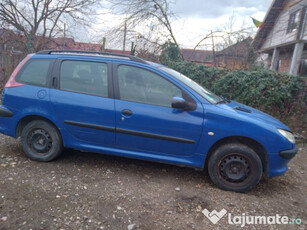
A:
(125, 106)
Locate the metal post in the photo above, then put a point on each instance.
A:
(29, 43)
(132, 50)
(103, 44)
(64, 45)
(125, 34)
(213, 50)
(8, 65)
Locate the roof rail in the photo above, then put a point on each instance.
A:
(80, 52)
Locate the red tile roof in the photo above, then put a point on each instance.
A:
(70, 44)
(198, 56)
(55, 43)
(239, 49)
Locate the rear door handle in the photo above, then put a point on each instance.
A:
(54, 82)
(126, 112)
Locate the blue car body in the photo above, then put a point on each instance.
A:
(151, 132)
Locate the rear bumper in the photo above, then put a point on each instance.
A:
(5, 112)
(278, 162)
(7, 121)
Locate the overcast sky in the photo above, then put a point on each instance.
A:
(218, 8)
(196, 18)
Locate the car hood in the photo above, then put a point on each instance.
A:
(252, 113)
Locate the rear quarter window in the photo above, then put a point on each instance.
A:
(35, 72)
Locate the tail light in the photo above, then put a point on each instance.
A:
(12, 80)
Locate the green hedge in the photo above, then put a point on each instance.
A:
(280, 95)
(200, 73)
(262, 88)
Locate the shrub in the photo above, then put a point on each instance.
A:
(280, 95)
(202, 74)
(263, 88)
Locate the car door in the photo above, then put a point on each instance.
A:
(145, 119)
(82, 102)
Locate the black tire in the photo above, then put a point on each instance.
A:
(235, 167)
(41, 141)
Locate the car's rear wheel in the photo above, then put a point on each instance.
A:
(41, 141)
(235, 167)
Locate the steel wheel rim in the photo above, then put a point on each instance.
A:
(40, 141)
(235, 168)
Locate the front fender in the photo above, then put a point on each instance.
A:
(220, 124)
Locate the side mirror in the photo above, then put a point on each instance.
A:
(179, 103)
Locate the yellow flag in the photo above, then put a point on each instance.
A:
(257, 23)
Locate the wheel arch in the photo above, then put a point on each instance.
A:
(254, 145)
(25, 120)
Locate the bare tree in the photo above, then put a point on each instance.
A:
(147, 22)
(44, 18)
(235, 31)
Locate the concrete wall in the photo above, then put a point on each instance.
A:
(304, 29)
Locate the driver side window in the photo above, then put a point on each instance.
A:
(143, 86)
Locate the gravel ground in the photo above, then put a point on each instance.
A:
(83, 190)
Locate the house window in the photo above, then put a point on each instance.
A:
(293, 22)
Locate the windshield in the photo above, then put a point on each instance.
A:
(205, 93)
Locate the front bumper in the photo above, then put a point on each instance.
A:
(278, 162)
(288, 154)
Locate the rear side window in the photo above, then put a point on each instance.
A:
(84, 77)
(35, 72)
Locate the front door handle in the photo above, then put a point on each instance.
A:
(126, 112)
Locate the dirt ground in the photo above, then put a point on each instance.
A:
(83, 190)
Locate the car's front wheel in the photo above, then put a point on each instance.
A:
(41, 141)
(235, 167)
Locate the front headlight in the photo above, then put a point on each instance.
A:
(287, 135)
